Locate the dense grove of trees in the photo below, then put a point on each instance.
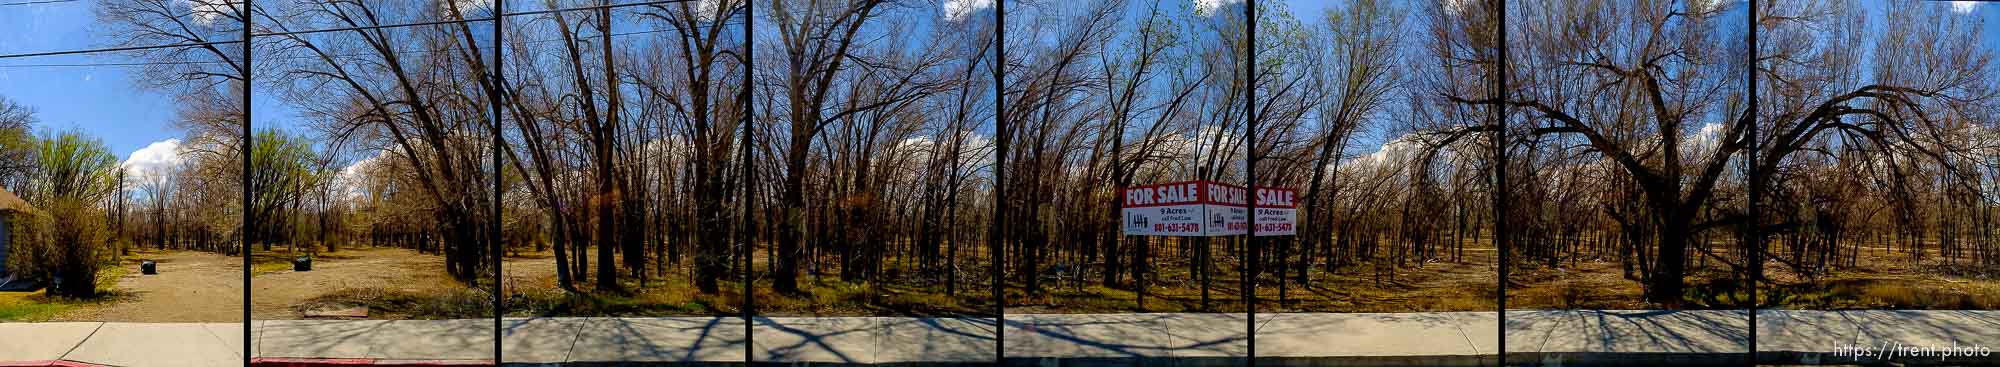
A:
(621, 124)
(889, 157)
(1629, 137)
(1634, 137)
(1896, 158)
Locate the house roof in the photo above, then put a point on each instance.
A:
(8, 201)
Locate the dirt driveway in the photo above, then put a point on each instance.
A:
(191, 287)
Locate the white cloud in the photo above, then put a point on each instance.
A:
(1455, 6)
(1964, 7)
(353, 179)
(916, 144)
(156, 159)
(977, 147)
(1394, 152)
(673, 146)
(1207, 7)
(1703, 142)
(1711, 5)
(468, 8)
(204, 12)
(706, 9)
(1200, 143)
(957, 10)
(975, 142)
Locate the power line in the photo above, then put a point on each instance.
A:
(110, 64)
(404, 52)
(36, 2)
(118, 49)
(379, 26)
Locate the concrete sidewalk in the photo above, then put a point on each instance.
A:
(376, 341)
(1628, 337)
(290, 342)
(1568, 338)
(123, 344)
(1436, 339)
(1886, 336)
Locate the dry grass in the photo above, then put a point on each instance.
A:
(39, 306)
(399, 304)
(1431, 286)
(1881, 279)
(676, 295)
(660, 299)
(1438, 285)
(35, 306)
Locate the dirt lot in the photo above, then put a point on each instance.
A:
(190, 287)
(394, 283)
(533, 271)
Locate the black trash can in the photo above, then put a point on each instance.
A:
(147, 268)
(302, 263)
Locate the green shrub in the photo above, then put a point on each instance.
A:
(64, 241)
(79, 232)
(30, 250)
(73, 174)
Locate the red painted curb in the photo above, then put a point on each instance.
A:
(56, 363)
(321, 362)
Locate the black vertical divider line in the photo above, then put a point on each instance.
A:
(1500, 169)
(1756, 220)
(248, 222)
(1250, 269)
(996, 242)
(499, 96)
(749, 176)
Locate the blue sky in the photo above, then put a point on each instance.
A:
(102, 100)
(79, 92)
